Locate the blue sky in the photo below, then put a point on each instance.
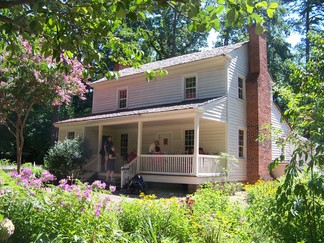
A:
(293, 39)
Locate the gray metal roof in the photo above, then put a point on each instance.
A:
(192, 57)
(184, 105)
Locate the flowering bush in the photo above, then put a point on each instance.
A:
(80, 212)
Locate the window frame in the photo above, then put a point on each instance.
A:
(241, 148)
(188, 145)
(70, 135)
(119, 99)
(185, 78)
(123, 144)
(241, 91)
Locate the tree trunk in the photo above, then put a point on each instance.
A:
(308, 10)
(55, 118)
(19, 143)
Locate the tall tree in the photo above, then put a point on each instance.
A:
(303, 198)
(80, 27)
(27, 79)
(307, 15)
(169, 35)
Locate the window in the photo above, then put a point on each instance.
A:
(240, 88)
(122, 98)
(241, 150)
(190, 88)
(71, 135)
(189, 141)
(123, 144)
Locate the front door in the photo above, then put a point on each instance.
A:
(165, 142)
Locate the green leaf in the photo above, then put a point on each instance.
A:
(262, 4)
(121, 10)
(270, 12)
(259, 29)
(249, 8)
(193, 11)
(231, 15)
(273, 5)
(219, 9)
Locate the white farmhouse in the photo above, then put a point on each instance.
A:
(217, 99)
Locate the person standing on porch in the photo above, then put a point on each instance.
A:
(153, 145)
(110, 165)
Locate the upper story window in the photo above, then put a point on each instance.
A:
(71, 135)
(190, 87)
(240, 88)
(122, 98)
(241, 144)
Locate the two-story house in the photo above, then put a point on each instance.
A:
(217, 99)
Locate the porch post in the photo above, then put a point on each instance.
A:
(99, 146)
(196, 144)
(139, 144)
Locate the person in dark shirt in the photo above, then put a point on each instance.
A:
(110, 165)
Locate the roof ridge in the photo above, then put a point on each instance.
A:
(182, 59)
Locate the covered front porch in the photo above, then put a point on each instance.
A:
(179, 129)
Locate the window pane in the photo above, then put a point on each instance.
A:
(122, 99)
(241, 144)
(123, 144)
(71, 135)
(189, 140)
(190, 88)
(240, 88)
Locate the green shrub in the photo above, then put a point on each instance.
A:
(66, 158)
(6, 162)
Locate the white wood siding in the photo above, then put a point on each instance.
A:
(236, 112)
(283, 126)
(63, 132)
(216, 110)
(211, 77)
(91, 136)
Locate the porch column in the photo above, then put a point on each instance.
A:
(196, 144)
(139, 144)
(99, 146)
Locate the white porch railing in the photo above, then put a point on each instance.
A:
(208, 165)
(211, 165)
(167, 164)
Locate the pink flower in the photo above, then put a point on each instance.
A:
(112, 188)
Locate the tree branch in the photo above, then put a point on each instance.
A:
(10, 4)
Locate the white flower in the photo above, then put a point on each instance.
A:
(6, 229)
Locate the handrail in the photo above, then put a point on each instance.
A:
(91, 162)
(128, 171)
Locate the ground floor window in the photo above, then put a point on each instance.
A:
(241, 144)
(189, 141)
(123, 145)
(71, 135)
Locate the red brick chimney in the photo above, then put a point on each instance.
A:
(118, 67)
(258, 112)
